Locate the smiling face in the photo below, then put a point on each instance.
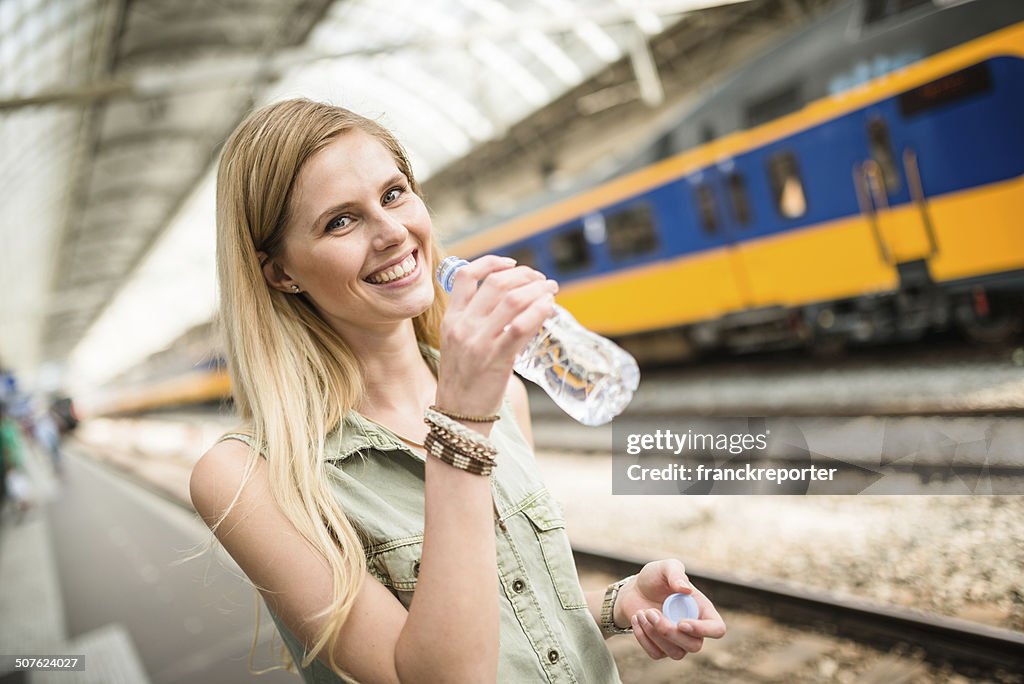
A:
(358, 238)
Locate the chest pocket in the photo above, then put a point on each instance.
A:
(396, 564)
(549, 526)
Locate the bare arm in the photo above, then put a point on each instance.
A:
(521, 407)
(293, 576)
(452, 630)
(381, 641)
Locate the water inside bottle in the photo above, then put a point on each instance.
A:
(591, 378)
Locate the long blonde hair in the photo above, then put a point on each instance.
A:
(293, 378)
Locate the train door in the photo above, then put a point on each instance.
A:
(891, 197)
(724, 205)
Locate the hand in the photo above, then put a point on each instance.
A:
(484, 328)
(639, 602)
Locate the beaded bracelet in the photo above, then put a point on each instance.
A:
(457, 445)
(472, 451)
(468, 436)
(456, 458)
(439, 444)
(469, 419)
(485, 452)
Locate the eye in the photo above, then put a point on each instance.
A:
(339, 222)
(392, 195)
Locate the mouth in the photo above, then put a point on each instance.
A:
(404, 270)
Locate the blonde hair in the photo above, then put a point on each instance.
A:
(293, 377)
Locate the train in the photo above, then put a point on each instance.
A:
(860, 183)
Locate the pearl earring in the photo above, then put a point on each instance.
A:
(295, 289)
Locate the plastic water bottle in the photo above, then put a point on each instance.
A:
(590, 377)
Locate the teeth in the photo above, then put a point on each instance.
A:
(395, 272)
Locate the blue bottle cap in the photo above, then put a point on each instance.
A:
(446, 271)
(680, 607)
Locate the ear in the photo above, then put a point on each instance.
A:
(276, 276)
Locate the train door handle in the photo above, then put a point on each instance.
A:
(867, 199)
(876, 184)
(913, 174)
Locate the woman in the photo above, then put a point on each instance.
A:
(333, 321)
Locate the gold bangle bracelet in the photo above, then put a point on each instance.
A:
(469, 419)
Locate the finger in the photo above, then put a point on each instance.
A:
(673, 573)
(710, 629)
(498, 286)
(645, 641)
(710, 624)
(518, 300)
(657, 627)
(707, 609)
(679, 634)
(467, 277)
(513, 336)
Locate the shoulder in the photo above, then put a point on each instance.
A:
(219, 473)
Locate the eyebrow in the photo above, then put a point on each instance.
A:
(338, 208)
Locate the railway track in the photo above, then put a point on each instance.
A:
(940, 381)
(972, 649)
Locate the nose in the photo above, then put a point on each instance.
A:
(388, 230)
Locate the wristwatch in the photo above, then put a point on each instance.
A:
(608, 625)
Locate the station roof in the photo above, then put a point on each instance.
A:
(112, 113)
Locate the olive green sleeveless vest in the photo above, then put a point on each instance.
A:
(547, 632)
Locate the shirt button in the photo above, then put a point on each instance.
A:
(553, 656)
(416, 569)
(518, 585)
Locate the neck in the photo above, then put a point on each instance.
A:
(398, 379)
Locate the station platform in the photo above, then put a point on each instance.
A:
(94, 569)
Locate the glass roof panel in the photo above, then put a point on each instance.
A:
(465, 70)
(43, 45)
(445, 75)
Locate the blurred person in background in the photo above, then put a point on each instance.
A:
(47, 435)
(17, 488)
(62, 409)
(361, 475)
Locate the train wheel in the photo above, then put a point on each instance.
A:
(991, 320)
(995, 330)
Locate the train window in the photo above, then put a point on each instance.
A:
(738, 198)
(524, 256)
(787, 187)
(631, 231)
(880, 146)
(570, 250)
(706, 208)
(973, 80)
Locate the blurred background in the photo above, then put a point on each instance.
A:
(785, 208)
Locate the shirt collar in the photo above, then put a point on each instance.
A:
(359, 434)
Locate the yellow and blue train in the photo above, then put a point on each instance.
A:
(862, 182)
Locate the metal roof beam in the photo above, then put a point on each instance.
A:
(277, 66)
